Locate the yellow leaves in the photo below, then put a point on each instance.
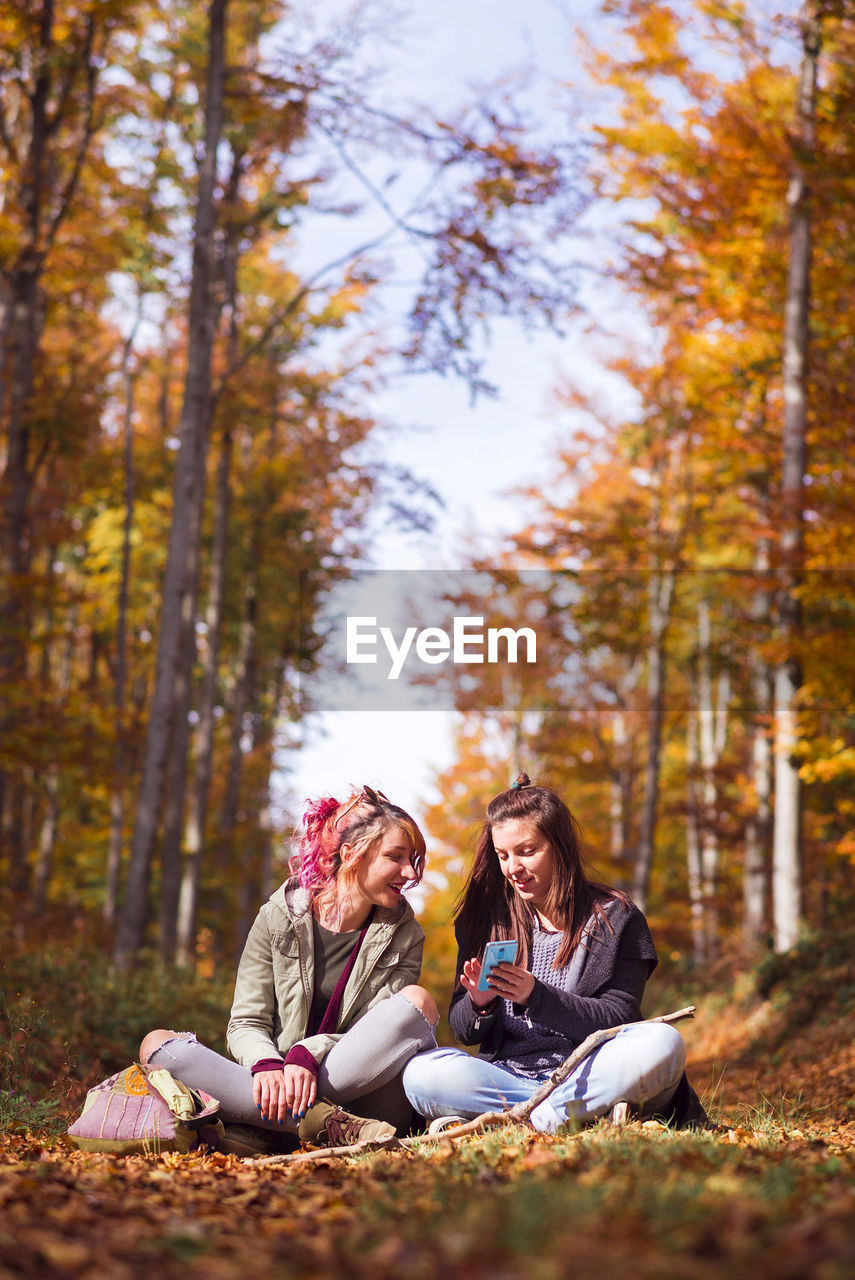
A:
(741, 1136)
(103, 562)
(837, 766)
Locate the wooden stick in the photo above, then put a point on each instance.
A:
(520, 1113)
(324, 1153)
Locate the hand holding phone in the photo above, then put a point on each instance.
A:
(495, 953)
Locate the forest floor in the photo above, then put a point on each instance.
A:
(769, 1193)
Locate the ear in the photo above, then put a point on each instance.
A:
(346, 853)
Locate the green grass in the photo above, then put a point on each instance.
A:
(649, 1200)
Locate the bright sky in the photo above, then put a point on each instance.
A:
(472, 454)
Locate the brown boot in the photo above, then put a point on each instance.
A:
(326, 1125)
(247, 1140)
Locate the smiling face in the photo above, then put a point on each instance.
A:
(381, 875)
(526, 859)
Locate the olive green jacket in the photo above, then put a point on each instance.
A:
(275, 977)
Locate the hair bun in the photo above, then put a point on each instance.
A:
(520, 781)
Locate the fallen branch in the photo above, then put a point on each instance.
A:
(324, 1153)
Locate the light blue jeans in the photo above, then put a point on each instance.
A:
(641, 1065)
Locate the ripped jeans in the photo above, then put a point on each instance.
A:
(362, 1070)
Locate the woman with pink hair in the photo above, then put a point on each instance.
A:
(326, 1009)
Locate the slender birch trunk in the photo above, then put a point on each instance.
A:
(173, 818)
(257, 882)
(117, 797)
(197, 813)
(712, 736)
(693, 836)
(47, 839)
(242, 700)
(786, 851)
(660, 592)
(618, 815)
(623, 769)
(758, 826)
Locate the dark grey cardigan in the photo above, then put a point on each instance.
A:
(618, 961)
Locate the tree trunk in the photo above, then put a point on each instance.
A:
(693, 837)
(786, 852)
(618, 815)
(198, 799)
(712, 737)
(173, 820)
(257, 880)
(660, 591)
(197, 812)
(117, 797)
(244, 687)
(14, 821)
(759, 826)
(47, 839)
(182, 564)
(24, 323)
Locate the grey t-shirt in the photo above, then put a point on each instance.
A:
(332, 952)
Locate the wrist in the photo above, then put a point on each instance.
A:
(266, 1064)
(299, 1056)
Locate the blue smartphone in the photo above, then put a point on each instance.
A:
(495, 953)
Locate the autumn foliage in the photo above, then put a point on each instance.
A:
(687, 580)
(186, 455)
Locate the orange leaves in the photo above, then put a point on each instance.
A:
(777, 1182)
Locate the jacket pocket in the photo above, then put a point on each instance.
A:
(388, 960)
(285, 944)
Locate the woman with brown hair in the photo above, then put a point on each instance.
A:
(584, 954)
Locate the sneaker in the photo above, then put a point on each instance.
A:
(621, 1113)
(247, 1140)
(444, 1122)
(326, 1125)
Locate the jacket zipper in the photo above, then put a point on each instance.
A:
(345, 1009)
(303, 982)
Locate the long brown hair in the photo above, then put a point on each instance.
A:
(489, 907)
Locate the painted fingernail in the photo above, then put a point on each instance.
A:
(258, 1106)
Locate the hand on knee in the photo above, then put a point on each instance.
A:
(424, 1001)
